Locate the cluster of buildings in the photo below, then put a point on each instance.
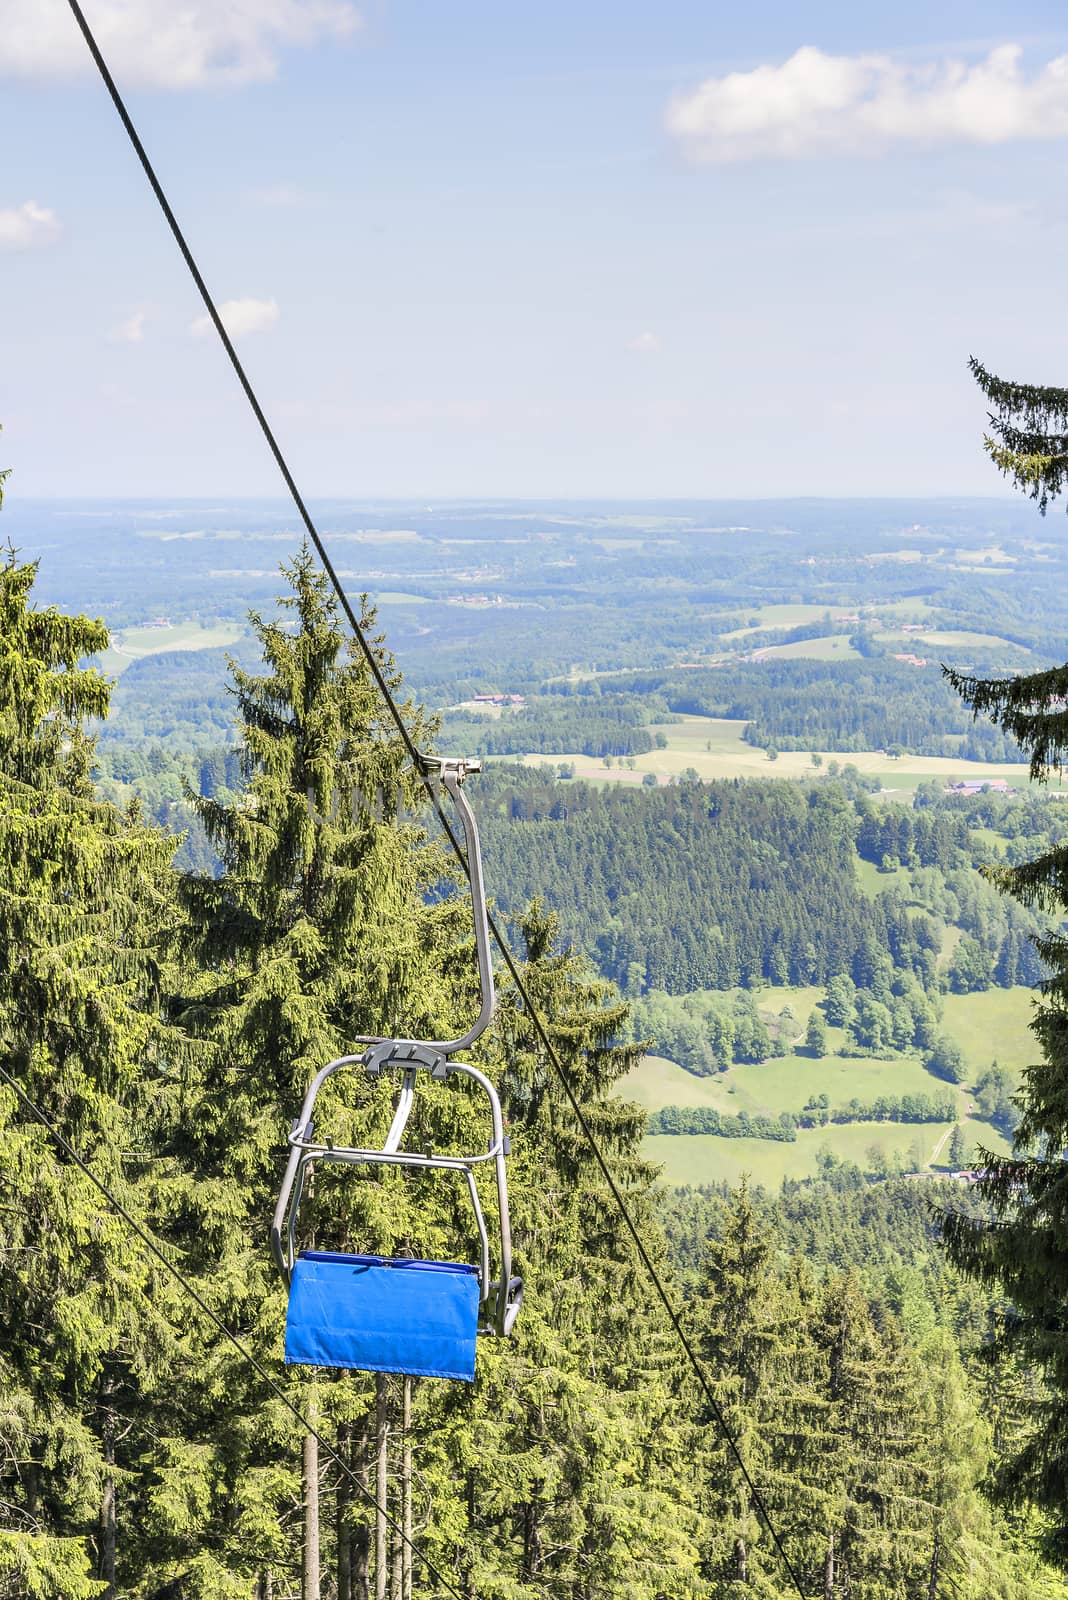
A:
(497, 700)
(977, 785)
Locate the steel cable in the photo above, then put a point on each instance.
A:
(417, 759)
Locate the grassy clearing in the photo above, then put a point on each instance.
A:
(696, 1159)
(132, 644)
(780, 616)
(969, 641)
(872, 882)
(784, 1083)
(399, 597)
(834, 647)
(993, 1026)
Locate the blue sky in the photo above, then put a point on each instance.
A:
(583, 248)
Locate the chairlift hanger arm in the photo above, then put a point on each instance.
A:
(452, 772)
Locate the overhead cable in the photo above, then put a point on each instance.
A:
(417, 758)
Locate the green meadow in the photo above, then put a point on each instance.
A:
(132, 644)
(697, 1159)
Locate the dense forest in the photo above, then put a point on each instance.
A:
(166, 1022)
(820, 705)
(712, 886)
(609, 725)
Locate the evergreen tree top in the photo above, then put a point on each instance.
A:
(1032, 708)
(1030, 424)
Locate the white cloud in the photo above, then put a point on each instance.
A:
(132, 331)
(818, 104)
(168, 45)
(240, 317)
(25, 226)
(646, 344)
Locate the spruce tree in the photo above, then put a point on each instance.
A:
(577, 1468)
(871, 1451)
(1023, 1249)
(816, 1035)
(1029, 439)
(84, 907)
(327, 922)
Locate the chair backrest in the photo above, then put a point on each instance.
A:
(419, 1318)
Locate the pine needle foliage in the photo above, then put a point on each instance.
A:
(1029, 442)
(1022, 1249)
(84, 913)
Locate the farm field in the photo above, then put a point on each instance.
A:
(784, 1083)
(793, 615)
(696, 1158)
(833, 647)
(714, 748)
(964, 640)
(777, 616)
(132, 644)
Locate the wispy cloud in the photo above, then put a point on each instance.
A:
(240, 317)
(132, 331)
(28, 225)
(816, 104)
(646, 344)
(169, 46)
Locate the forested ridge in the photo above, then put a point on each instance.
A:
(711, 886)
(168, 1022)
(846, 705)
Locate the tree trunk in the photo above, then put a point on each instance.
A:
(396, 1585)
(828, 1569)
(381, 1485)
(344, 1529)
(468, 1564)
(741, 1560)
(936, 1562)
(406, 1495)
(108, 1531)
(310, 1583)
(361, 1541)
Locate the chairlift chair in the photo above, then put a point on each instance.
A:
(398, 1315)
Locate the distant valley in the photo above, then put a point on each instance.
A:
(651, 648)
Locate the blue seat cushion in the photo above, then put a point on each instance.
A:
(377, 1315)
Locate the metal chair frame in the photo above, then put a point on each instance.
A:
(500, 1298)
